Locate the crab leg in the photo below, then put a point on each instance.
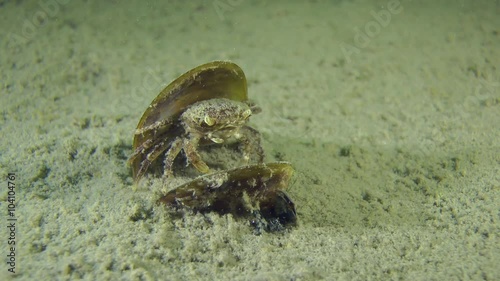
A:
(193, 156)
(170, 156)
(158, 149)
(250, 140)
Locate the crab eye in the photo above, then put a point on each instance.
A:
(247, 113)
(209, 120)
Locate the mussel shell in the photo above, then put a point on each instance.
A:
(239, 191)
(218, 79)
(278, 210)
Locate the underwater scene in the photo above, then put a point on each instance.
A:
(250, 140)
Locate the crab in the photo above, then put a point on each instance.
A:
(206, 105)
(214, 121)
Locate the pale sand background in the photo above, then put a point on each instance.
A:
(395, 147)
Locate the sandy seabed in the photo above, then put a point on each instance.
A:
(389, 112)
